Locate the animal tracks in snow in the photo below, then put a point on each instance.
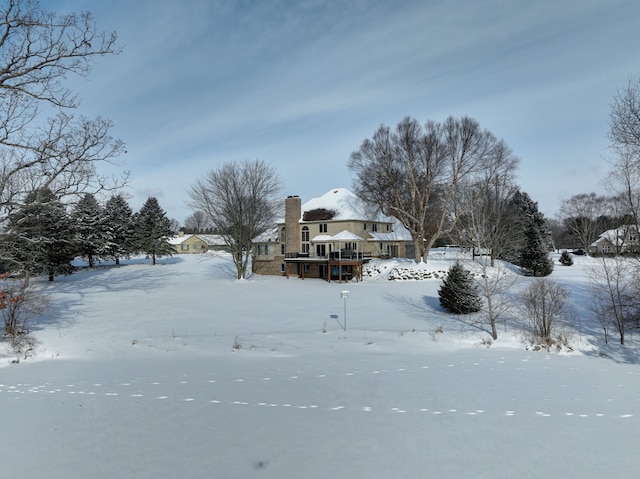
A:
(337, 391)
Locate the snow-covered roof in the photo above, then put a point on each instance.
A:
(210, 240)
(614, 236)
(345, 235)
(400, 235)
(346, 205)
(268, 236)
(322, 239)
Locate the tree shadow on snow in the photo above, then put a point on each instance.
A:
(428, 309)
(68, 293)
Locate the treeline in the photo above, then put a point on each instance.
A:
(43, 235)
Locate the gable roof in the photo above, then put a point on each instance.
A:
(345, 235)
(615, 236)
(346, 205)
(209, 240)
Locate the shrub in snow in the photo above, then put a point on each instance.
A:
(566, 259)
(546, 307)
(459, 293)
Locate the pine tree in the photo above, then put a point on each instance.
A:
(566, 259)
(90, 229)
(41, 235)
(119, 228)
(534, 257)
(459, 293)
(153, 230)
(529, 242)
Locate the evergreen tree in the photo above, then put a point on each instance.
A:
(153, 230)
(534, 256)
(90, 229)
(459, 293)
(566, 259)
(41, 235)
(119, 228)
(528, 247)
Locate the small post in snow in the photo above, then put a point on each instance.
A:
(344, 295)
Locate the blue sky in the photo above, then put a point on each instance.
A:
(300, 84)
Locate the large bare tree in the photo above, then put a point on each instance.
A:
(488, 226)
(241, 200)
(42, 144)
(624, 118)
(584, 216)
(428, 177)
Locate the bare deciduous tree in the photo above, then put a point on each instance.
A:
(41, 144)
(488, 225)
(494, 284)
(583, 215)
(614, 294)
(545, 305)
(418, 175)
(241, 200)
(196, 223)
(624, 118)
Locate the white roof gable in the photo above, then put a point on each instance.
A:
(346, 205)
(345, 235)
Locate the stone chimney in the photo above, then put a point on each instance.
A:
(292, 215)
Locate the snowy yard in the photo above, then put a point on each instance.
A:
(179, 370)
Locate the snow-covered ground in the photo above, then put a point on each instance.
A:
(179, 370)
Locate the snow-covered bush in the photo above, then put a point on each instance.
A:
(566, 259)
(459, 293)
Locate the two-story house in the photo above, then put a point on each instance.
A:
(329, 237)
(623, 239)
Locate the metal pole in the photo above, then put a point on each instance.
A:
(345, 295)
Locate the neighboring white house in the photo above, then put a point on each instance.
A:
(196, 243)
(623, 239)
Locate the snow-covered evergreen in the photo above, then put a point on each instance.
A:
(459, 293)
(90, 229)
(118, 224)
(153, 230)
(529, 244)
(41, 237)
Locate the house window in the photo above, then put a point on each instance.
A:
(306, 267)
(184, 247)
(263, 250)
(283, 235)
(365, 226)
(633, 238)
(282, 249)
(305, 233)
(283, 268)
(323, 227)
(374, 227)
(388, 227)
(305, 247)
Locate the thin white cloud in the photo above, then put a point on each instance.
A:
(304, 82)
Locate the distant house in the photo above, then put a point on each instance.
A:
(196, 243)
(623, 239)
(329, 237)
